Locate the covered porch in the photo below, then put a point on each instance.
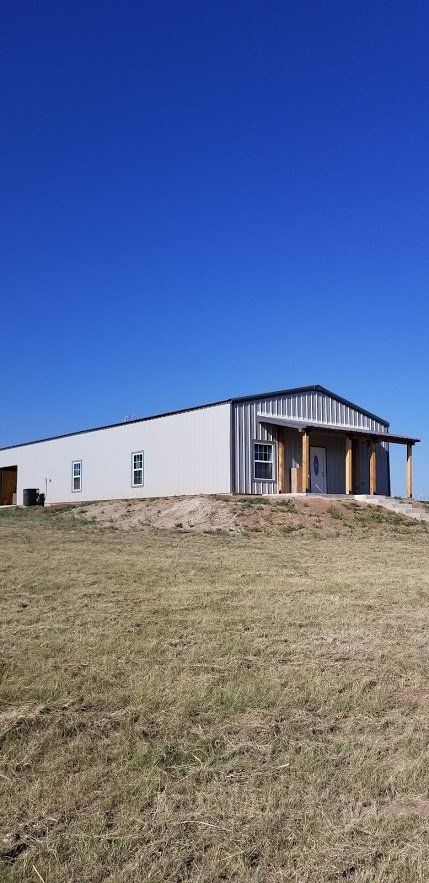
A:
(335, 459)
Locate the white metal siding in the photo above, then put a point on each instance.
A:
(185, 453)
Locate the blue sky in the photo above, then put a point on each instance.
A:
(211, 199)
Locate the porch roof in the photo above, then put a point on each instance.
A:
(304, 426)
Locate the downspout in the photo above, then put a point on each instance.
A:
(232, 450)
(388, 470)
(388, 465)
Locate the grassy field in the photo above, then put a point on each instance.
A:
(181, 706)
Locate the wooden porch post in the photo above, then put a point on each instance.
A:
(305, 461)
(409, 470)
(356, 466)
(349, 465)
(281, 464)
(372, 468)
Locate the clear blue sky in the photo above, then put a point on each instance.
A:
(206, 199)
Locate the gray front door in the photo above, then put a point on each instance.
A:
(318, 470)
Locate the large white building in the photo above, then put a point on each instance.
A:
(307, 439)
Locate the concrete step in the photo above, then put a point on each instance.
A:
(392, 505)
(388, 504)
(372, 497)
(409, 513)
(399, 507)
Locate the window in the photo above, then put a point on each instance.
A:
(77, 475)
(263, 461)
(137, 469)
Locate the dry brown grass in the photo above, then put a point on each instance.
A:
(179, 706)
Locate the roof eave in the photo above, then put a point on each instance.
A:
(305, 426)
(235, 400)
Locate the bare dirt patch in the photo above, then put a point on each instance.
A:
(27, 835)
(406, 806)
(237, 514)
(188, 513)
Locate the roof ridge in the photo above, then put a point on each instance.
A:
(294, 391)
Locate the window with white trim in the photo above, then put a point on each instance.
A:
(77, 475)
(137, 469)
(263, 458)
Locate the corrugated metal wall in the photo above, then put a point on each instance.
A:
(184, 453)
(316, 407)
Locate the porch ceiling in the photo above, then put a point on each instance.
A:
(304, 426)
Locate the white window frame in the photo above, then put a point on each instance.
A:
(271, 445)
(135, 469)
(76, 490)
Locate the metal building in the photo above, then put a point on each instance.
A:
(305, 440)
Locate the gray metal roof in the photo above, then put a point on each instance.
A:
(304, 425)
(294, 391)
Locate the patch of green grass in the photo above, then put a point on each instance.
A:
(335, 513)
(378, 514)
(253, 501)
(287, 505)
(235, 697)
(290, 528)
(12, 512)
(53, 511)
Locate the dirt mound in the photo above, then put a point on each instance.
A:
(235, 514)
(188, 513)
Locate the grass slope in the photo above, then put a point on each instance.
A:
(211, 707)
